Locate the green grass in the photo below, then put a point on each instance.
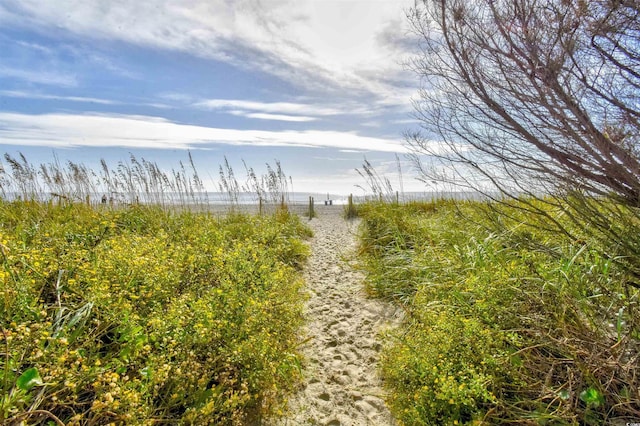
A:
(138, 316)
(505, 324)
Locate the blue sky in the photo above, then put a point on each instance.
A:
(316, 84)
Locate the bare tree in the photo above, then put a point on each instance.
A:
(534, 97)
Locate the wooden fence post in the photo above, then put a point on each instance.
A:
(351, 210)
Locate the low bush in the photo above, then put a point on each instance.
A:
(504, 324)
(138, 316)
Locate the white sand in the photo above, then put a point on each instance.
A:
(341, 384)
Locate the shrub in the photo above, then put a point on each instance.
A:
(503, 323)
(136, 315)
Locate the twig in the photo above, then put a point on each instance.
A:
(40, 412)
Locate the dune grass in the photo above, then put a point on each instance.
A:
(504, 324)
(140, 316)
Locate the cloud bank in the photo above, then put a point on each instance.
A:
(133, 131)
(328, 45)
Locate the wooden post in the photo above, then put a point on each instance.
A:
(311, 212)
(260, 206)
(351, 210)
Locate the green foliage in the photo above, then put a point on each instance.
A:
(29, 379)
(440, 368)
(508, 324)
(592, 397)
(136, 315)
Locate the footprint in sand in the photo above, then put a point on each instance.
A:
(341, 385)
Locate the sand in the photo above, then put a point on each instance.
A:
(342, 336)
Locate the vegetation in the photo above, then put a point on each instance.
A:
(139, 316)
(539, 89)
(139, 181)
(505, 323)
(535, 97)
(523, 310)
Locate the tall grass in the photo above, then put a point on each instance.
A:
(376, 183)
(272, 187)
(136, 181)
(505, 324)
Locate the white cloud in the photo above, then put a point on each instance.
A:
(277, 117)
(72, 130)
(292, 111)
(331, 45)
(280, 111)
(39, 77)
(289, 108)
(374, 124)
(82, 99)
(35, 46)
(406, 121)
(33, 95)
(104, 63)
(176, 97)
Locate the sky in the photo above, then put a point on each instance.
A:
(318, 85)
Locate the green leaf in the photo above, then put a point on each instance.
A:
(29, 379)
(146, 372)
(204, 397)
(516, 360)
(592, 397)
(564, 394)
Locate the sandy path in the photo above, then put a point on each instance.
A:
(341, 385)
